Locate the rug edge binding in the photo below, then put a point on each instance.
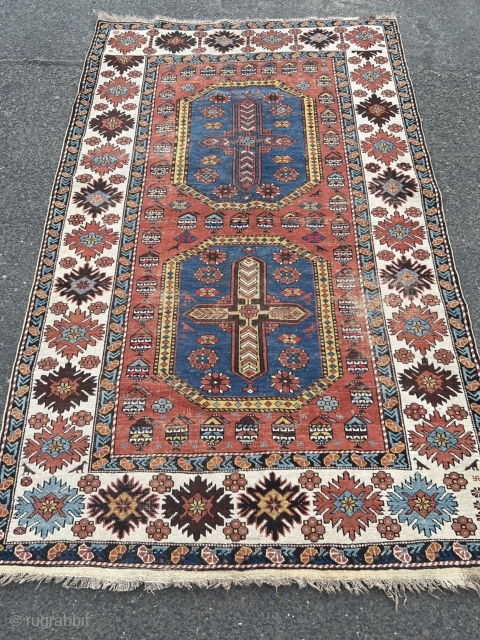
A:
(395, 583)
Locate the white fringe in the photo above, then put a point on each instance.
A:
(111, 17)
(395, 583)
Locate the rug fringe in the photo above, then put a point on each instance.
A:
(396, 584)
(112, 17)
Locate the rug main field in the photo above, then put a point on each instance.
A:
(246, 353)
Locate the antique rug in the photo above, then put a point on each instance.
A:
(247, 358)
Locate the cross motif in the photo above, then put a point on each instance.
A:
(247, 141)
(246, 315)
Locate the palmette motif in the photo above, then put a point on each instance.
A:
(246, 346)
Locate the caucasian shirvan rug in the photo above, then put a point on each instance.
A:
(247, 358)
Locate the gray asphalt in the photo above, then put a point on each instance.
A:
(42, 47)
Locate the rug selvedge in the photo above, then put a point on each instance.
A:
(236, 359)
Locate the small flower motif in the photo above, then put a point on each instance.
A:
(85, 177)
(444, 356)
(372, 167)
(162, 405)
(287, 275)
(285, 257)
(313, 530)
(213, 112)
(97, 308)
(285, 382)
(392, 300)
(464, 526)
(89, 483)
(215, 382)
(405, 356)
(118, 178)
(388, 93)
(309, 480)
(413, 212)
(26, 481)
(100, 106)
(83, 528)
(421, 254)
(268, 191)
(456, 412)
(76, 219)
(124, 140)
(104, 262)
(327, 403)
(158, 530)
(354, 60)
(415, 412)
(89, 362)
(273, 97)
(475, 492)
(81, 418)
(365, 128)
(382, 480)
(235, 482)
(208, 275)
(67, 263)
(47, 363)
(360, 93)
(59, 308)
(430, 300)
(92, 141)
(220, 98)
(394, 128)
(161, 483)
(110, 218)
(404, 166)
(225, 191)
(386, 255)
(39, 420)
(235, 531)
(212, 257)
(293, 357)
(281, 110)
(286, 174)
(379, 212)
(381, 60)
(389, 528)
(206, 176)
(303, 85)
(456, 481)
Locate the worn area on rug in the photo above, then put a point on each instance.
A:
(247, 356)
